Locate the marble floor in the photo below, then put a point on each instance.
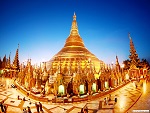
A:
(129, 98)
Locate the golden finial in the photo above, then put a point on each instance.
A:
(74, 28)
(18, 45)
(129, 36)
(74, 16)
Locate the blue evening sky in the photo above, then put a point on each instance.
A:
(42, 26)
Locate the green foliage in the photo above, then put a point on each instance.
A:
(126, 64)
(143, 64)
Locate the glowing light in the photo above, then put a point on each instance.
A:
(144, 87)
(122, 101)
(81, 89)
(96, 76)
(1, 71)
(122, 66)
(61, 89)
(94, 87)
(106, 85)
(127, 76)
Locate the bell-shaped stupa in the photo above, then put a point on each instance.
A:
(74, 51)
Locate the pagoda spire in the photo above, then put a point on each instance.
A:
(9, 61)
(45, 69)
(117, 64)
(74, 27)
(133, 55)
(16, 59)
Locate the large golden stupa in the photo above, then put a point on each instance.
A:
(73, 52)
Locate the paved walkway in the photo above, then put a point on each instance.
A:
(128, 99)
(143, 103)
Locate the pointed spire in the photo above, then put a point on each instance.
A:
(18, 45)
(117, 62)
(16, 59)
(45, 67)
(133, 55)
(40, 69)
(74, 27)
(9, 61)
(129, 36)
(74, 16)
(4, 62)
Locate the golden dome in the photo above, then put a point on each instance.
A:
(74, 50)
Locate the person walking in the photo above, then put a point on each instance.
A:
(5, 108)
(29, 110)
(37, 107)
(40, 105)
(25, 111)
(104, 101)
(82, 110)
(109, 99)
(86, 110)
(2, 106)
(115, 98)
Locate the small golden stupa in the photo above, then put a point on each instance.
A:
(73, 52)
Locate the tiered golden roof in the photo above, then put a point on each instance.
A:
(74, 51)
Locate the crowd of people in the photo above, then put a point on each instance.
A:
(38, 108)
(28, 110)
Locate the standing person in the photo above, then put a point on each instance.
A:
(82, 110)
(5, 108)
(25, 111)
(115, 98)
(2, 106)
(24, 99)
(29, 110)
(86, 110)
(104, 101)
(37, 107)
(109, 97)
(18, 97)
(40, 105)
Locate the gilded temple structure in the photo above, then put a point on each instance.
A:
(74, 51)
(9, 69)
(136, 70)
(74, 69)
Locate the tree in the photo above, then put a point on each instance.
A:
(144, 64)
(126, 64)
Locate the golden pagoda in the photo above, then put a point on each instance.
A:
(74, 51)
